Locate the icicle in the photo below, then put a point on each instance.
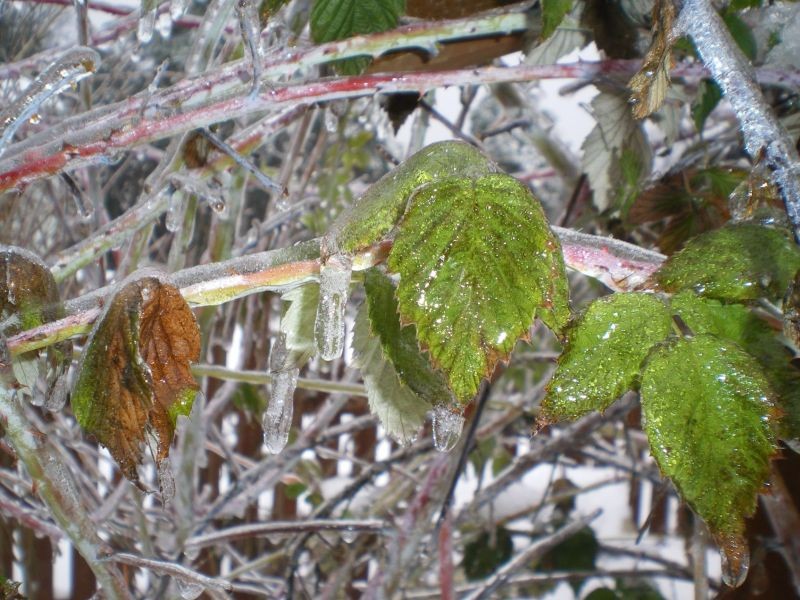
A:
(277, 419)
(349, 535)
(177, 8)
(147, 21)
(735, 557)
(189, 590)
(334, 289)
(56, 398)
(243, 162)
(250, 27)
(83, 204)
(447, 426)
(166, 481)
(74, 65)
(164, 26)
(175, 211)
(331, 121)
(199, 189)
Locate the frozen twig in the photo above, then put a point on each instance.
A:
(765, 138)
(531, 554)
(262, 378)
(56, 487)
(171, 569)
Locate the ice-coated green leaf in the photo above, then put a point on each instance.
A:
(738, 324)
(378, 210)
(553, 12)
(401, 411)
(604, 352)
(477, 261)
(28, 298)
(744, 261)
(708, 96)
(297, 324)
(615, 133)
(135, 377)
(339, 19)
(399, 344)
(707, 412)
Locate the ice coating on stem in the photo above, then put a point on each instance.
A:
(147, 21)
(447, 426)
(189, 590)
(177, 8)
(762, 131)
(277, 419)
(166, 481)
(250, 26)
(199, 189)
(175, 211)
(69, 69)
(334, 289)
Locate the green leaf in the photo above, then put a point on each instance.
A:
(339, 19)
(604, 352)
(477, 261)
(707, 412)
(135, 376)
(736, 323)
(400, 344)
(401, 411)
(738, 262)
(487, 552)
(553, 12)
(742, 34)
(370, 219)
(576, 553)
(708, 96)
(29, 298)
(297, 324)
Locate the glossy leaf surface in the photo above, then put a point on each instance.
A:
(604, 352)
(707, 410)
(738, 262)
(477, 261)
(135, 375)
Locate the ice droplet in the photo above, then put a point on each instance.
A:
(191, 553)
(166, 481)
(735, 563)
(277, 419)
(334, 289)
(69, 69)
(447, 426)
(177, 8)
(164, 25)
(349, 535)
(176, 209)
(331, 121)
(147, 24)
(188, 589)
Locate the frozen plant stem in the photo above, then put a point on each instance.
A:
(54, 485)
(68, 70)
(764, 137)
(250, 26)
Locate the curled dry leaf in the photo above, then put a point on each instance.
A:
(135, 377)
(649, 85)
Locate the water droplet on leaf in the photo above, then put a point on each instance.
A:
(447, 426)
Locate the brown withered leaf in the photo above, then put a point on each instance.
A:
(649, 85)
(28, 298)
(135, 376)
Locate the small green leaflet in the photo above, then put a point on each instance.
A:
(736, 323)
(553, 12)
(339, 19)
(708, 96)
(297, 324)
(401, 385)
(738, 262)
(377, 212)
(604, 353)
(707, 411)
(477, 261)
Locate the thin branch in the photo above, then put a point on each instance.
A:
(262, 378)
(260, 529)
(764, 136)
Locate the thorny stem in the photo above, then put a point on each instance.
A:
(764, 136)
(56, 488)
(619, 265)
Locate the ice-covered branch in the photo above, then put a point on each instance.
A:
(764, 137)
(619, 265)
(55, 486)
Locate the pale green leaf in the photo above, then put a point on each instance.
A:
(477, 261)
(707, 410)
(553, 12)
(604, 353)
